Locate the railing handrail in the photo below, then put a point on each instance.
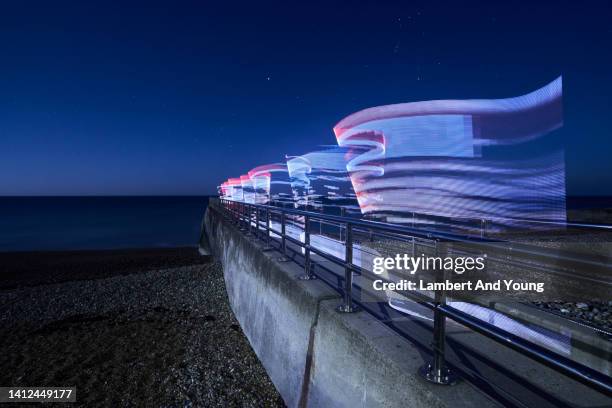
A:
(489, 219)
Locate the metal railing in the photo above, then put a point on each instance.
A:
(247, 217)
(481, 226)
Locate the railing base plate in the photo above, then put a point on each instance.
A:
(347, 309)
(443, 377)
(282, 259)
(307, 277)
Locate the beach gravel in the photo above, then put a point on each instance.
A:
(164, 337)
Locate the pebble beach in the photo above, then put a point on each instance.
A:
(129, 335)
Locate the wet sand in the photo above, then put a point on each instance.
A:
(157, 332)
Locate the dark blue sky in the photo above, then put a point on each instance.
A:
(121, 98)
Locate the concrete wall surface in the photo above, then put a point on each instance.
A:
(315, 356)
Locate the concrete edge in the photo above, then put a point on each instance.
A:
(314, 355)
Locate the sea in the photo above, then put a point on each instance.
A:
(91, 223)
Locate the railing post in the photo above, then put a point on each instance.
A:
(283, 257)
(308, 275)
(437, 371)
(483, 228)
(342, 214)
(249, 214)
(257, 222)
(268, 247)
(321, 221)
(245, 211)
(347, 305)
(242, 210)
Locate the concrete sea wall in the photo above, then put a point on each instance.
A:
(314, 355)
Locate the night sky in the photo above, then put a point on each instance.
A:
(164, 98)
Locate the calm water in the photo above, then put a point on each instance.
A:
(64, 223)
